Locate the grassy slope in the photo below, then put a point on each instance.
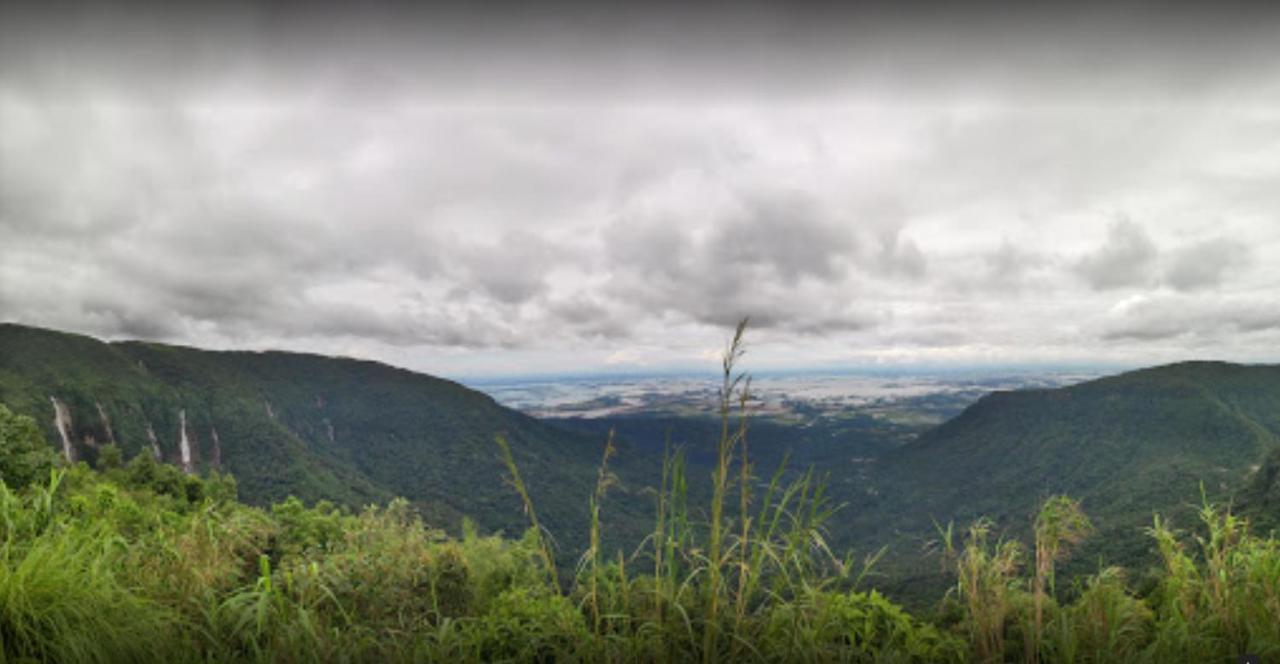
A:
(394, 432)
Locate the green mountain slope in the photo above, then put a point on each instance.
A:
(1126, 445)
(285, 423)
(1260, 500)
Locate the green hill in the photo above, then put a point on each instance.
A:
(1260, 500)
(349, 431)
(1126, 446)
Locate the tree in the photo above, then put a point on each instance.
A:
(110, 457)
(1060, 524)
(25, 457)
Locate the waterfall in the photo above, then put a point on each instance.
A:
(217, 448)
(62, 420)
(106, 422)
(155, 444)
(184, 445)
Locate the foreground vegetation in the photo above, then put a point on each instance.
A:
(140, 562)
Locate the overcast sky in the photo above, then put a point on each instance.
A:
(569, 189)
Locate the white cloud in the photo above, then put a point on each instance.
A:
(1206, 264)
(541, 209)
(1126, 260)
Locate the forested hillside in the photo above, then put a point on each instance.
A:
(349, 431)
(1127, 446)
(1260, 499)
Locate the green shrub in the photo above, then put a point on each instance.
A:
(24, 455)
(852, 627)
(1106, 623)
(529, 625)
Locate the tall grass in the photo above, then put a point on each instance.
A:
(1218, 597)
(729, 439)
(720, 589)
(1060, 523)
(61, 594)
(544, 545)
(592, 556)
(986, 574)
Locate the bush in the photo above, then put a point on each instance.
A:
(25, 457)
(62, 600)
(1107, 623)
(527, 625)
(853, 627)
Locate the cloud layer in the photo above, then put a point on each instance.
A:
(536, 198)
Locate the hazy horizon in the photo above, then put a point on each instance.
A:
(582, 190)
(705, 370)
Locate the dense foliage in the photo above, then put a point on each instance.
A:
(1260, 499)
(319, 428)
(1126, 446)
(24, 456)
(141, 562)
